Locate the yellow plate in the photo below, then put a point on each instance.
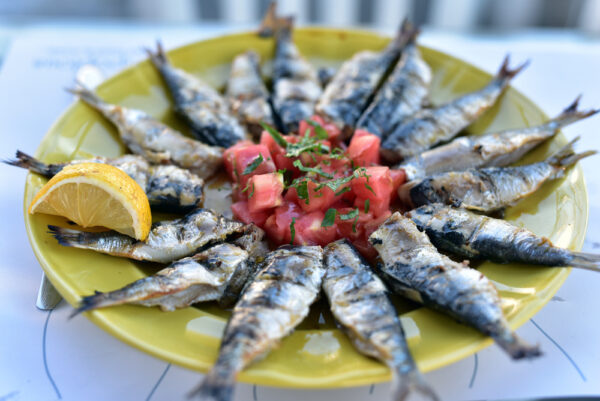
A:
(316, 355)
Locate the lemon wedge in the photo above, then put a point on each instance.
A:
(95, 194)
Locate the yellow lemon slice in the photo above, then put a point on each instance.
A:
(95, 194)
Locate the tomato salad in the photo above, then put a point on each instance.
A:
(312, 189)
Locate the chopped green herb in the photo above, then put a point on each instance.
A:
(350, 215)
(301, 189)
(369, 188)
(292, 230)
(343, 190)
(306, 144)
(251, 192)
(276, 135)
(252, 166)
(298, 164)
(367, 204)
(329, 218)
(281, 171)
(354, 224)
(319, 130)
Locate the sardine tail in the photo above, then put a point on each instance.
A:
(90, 302)
(23, 160)
(407, 33)
(271, 24)
(72, 238)
(506, 73)
(405, 383)
(158, 57)
(571, 114)
(214, 387)
(87, 95)
(566, 156)
(516, 347)
(588, 261)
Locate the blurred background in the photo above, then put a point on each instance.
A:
(458, 15)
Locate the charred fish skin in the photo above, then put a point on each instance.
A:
(402, 95)
(414, 268)
(155, 141)
(360, 304)
(489, 189)
(474, 236)
(169, 188)
(199, 278)
(247, 94)
(490, 150)
(354, 84)
(168, 240)
(432, 126)
(269, 309)
(199, 104)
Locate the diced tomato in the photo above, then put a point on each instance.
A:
(277, 225)
(317, 200)
(237, 195)
(352, 228)
(377, 207)
(364, 149)
(278, 153)
(308, 230)
(243, 156)
(264, 191)
(333, 132)
(373, 224)
(365, 248)
(229, 159)
(242, 213)
(375, 185)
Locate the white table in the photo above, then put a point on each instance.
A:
(43, 356)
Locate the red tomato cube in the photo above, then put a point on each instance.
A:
(333, 132)
(376, 185)
(278, 224)
(317, 200)
(229, 159)
(245, 156)
(398, 178)
(242, 213)
(264, 191)
(364, 148)
(308, 230)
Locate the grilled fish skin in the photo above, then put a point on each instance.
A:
(490, 150)
(296, 86)
(474, 236)
(199, 278)
(402, 95)
(432, 126)
(199, 104)
(247, 94)
(168, 188)
(168, 240)
(360, 305)
(489, 189)
(269, 309)
(414, 268)
(355, 82)
(153, 140)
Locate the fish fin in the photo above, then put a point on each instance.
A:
(571, 114)
(158, 57)
(566, 156)
(23, 160)
(90, 302)
(507, 73)
(516, 347)
(215, 387)
(588, 261)
(87, 95)
(405, 383)
(271, 24)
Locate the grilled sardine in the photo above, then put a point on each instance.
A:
(489, 189)
(360, 305)
(432, 126)
(155, 141)
(414, 268)
(490, 150)
(402, 95)
(199, 104)
(247, 94)
(269, 309)
(474, 236)
(168, 240)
